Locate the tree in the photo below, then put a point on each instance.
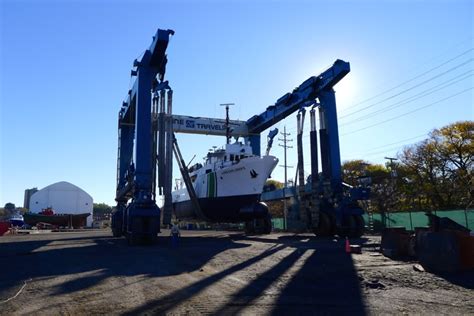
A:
(9, 207)
(276, 208)
(101, 208)
(354, 170)
(454, 145)
(434, 174)
(381, 188)
(440, 168)
(272, 185)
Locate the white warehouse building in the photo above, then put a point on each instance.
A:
(64, 198)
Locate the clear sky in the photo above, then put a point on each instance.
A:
(65, 69)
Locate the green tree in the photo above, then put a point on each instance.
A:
(353, 173)
(272, 185)
(440, 168)
(454, 144)
(436, 173)
(101, 208)
(9, 207)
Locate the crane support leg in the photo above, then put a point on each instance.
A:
(314, 207)
(142, 214)
(168, 203)
(328, 104)
(164, 154)
(304, 203)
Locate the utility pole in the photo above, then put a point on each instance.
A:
(392, 180)
(285, 141)
(227, 123)
(392, 170)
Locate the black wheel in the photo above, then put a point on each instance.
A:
(149, 239)
(116, 232)
(117, 220)
(349, 226)
(267, 224)
(360, 225)
(138, 240)
(131, 240)
(249, 228)
(324, 228)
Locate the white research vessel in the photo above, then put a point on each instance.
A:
(228, 186)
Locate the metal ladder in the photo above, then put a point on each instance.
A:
(370, 224)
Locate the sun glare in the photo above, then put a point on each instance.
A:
(346, 92)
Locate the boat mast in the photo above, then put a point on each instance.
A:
(227, 122)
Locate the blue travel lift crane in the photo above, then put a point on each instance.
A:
(326, 204)
(146, 128)
(139, 221)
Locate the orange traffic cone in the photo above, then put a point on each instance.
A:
(348, 246)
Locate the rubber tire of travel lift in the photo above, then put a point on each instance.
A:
(349, 227)
(360, 225)
(267, 224)
(332, 219)
(249, 227)
(117, 232)
(324, 228)
(259, 226)
(132, 240)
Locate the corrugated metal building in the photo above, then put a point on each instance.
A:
(64, 198)
(28, 194)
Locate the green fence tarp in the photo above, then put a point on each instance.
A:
(419, 219)
(402, 219)
(278, 223)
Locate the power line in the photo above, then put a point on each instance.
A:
(416, 96)
(409, 89)
(414, 78)
(410, 112)
(410, 99)
(399, 142)
(371, 152)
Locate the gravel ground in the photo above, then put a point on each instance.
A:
(210, 272)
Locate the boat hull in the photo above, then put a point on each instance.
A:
(229, 209)
(17, 222)
(64, 220)
(227, 194)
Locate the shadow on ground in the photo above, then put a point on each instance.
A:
(105, 257)
(327, 281)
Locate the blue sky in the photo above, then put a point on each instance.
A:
(65, 70)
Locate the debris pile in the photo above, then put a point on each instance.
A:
(444, 246)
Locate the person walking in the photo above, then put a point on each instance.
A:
(175, 235)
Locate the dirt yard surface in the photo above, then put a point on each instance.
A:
(217, 273)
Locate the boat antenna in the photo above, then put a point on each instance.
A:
(227, 123)
(187, 166)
